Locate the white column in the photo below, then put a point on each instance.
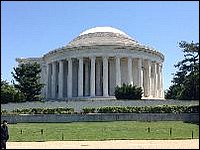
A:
(98, 78)
(118, 71)
(53, 85)
(111, 77)
(61, 79)
(148, 78)
(155, 80)
(134, 71)
(161, 82)
(142, 76)
(48, 83)
(158, 81)
(80, 77)
(86, 85)
(140, 73)
(152, 79)
(105, 76)
(69, 78)
(92, 77)
(130, 71)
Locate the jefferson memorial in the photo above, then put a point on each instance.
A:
(95, 62)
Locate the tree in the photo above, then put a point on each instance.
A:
(28, 80)
(186, 79)
(128, 91)
(9, 93)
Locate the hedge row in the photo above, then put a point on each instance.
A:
(145, 109)
(89, 109)
(59, 110)
(110, 109)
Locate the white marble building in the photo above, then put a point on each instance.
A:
(95, 62)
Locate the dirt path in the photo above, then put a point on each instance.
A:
(112, 144)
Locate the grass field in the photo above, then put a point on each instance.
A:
(102, 130)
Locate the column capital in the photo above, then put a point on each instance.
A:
(118, 56)
(139, 62)
(138, 58)
(160, 64)
(80, 57)
(130, 57)
(105, 57)
(61, 61)
(148, 63)
(54, 62)
(68, 58)
(149, 60)
(92, 57)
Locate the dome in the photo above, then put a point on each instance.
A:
(102, 36)
(104, 29)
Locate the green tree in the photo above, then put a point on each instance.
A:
(186, 79)
(9, 93)
(128, 91)
(28, 80)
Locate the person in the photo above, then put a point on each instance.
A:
(4, 134)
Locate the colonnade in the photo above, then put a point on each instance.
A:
(98, 76)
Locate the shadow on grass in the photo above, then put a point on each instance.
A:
(192, 122)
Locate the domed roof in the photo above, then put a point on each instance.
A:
(105, 36)
(102, 36)
(103, 29)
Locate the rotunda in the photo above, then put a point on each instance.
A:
(97, 61)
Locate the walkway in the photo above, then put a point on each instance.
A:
(112, 144)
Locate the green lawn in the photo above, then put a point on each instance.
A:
(102, 130)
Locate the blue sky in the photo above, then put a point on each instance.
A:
(31, 29)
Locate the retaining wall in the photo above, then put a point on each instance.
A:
(189, 117)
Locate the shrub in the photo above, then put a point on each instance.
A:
(149, 109)
(3, 112)
(193, 109)
(128, 92)
(59, 110)
(88, 110)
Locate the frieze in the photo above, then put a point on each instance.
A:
(84, 49)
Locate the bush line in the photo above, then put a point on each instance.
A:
(109, 109)
(59, 110)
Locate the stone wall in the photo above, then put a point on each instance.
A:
(189, 117)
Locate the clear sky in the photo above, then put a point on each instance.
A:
(31, 29)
